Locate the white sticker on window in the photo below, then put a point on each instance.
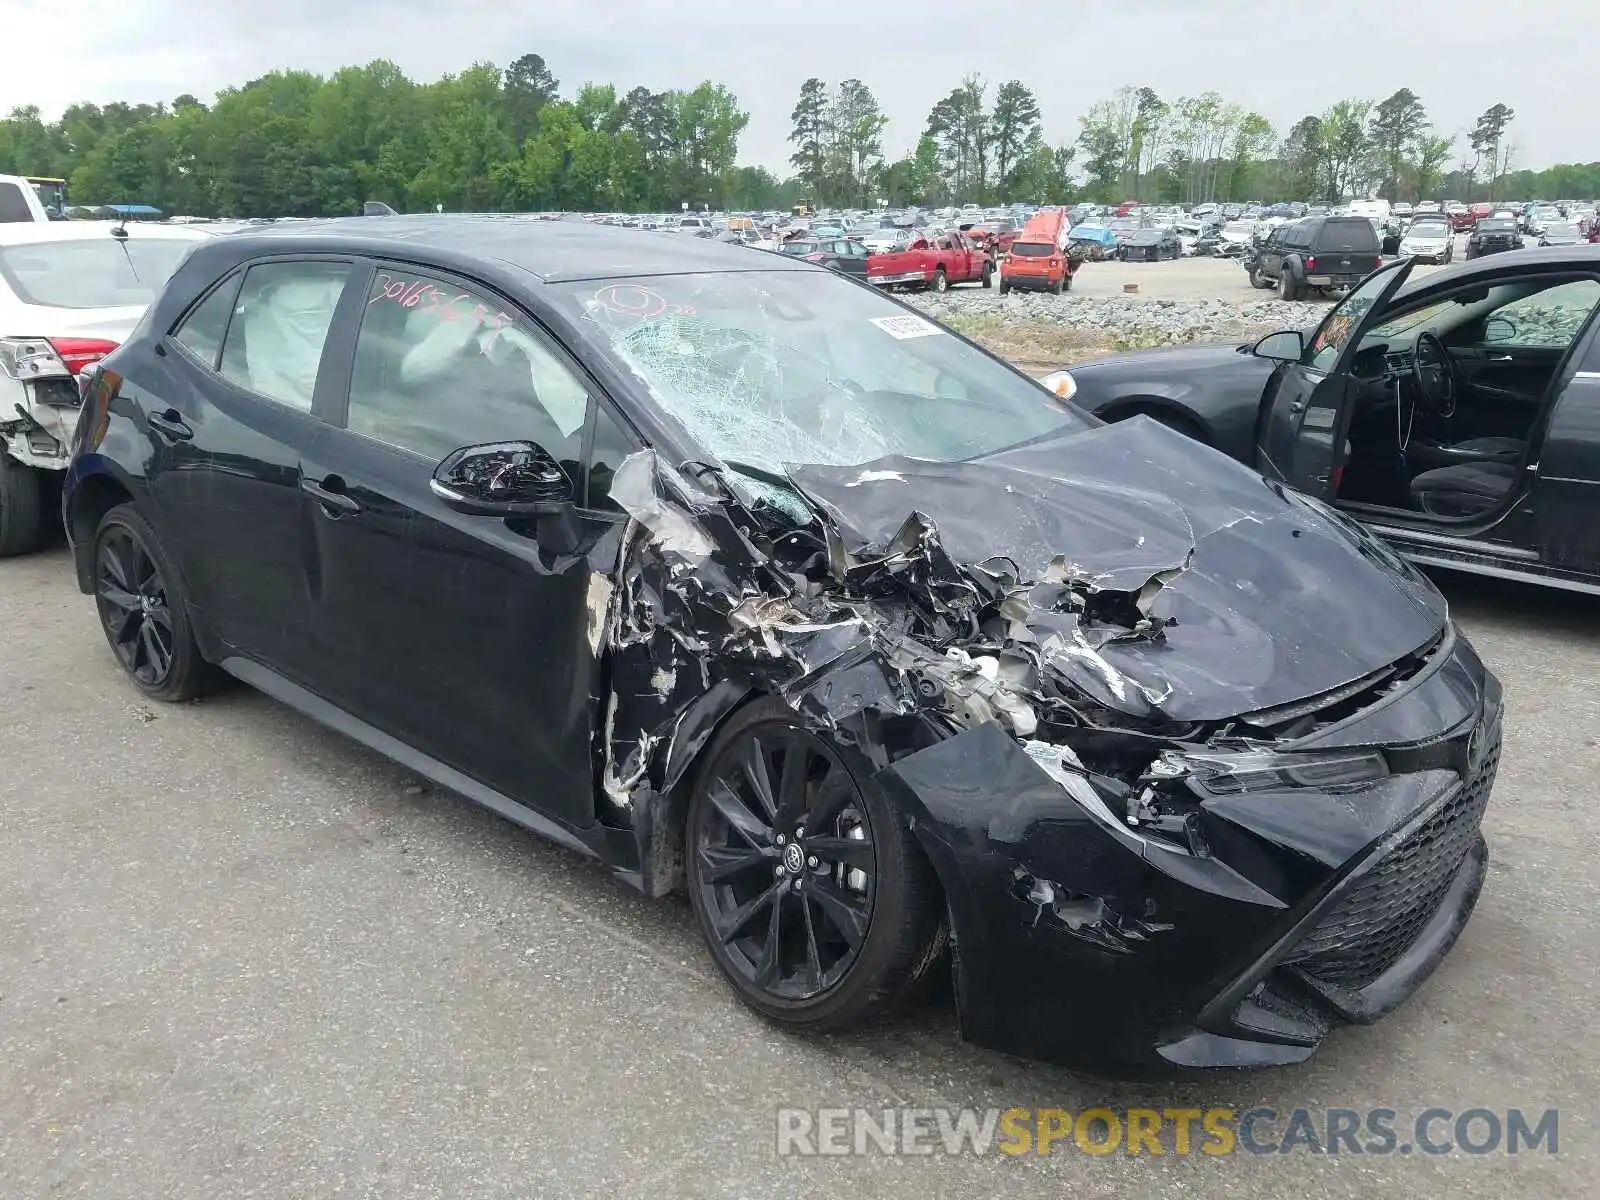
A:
(905, 327)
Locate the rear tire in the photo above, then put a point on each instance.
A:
(21, 508)
(988, 273)
(867, 926)
(1004, 287)
(1058, 286)
(144, 610)
(1286, 285)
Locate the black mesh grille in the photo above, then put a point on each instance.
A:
(1384, 910)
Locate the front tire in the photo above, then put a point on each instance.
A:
(21, 508)
(810, 891)
(144, 610)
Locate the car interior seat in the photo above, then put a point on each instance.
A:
(1482, 479)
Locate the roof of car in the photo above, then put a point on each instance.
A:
(549, 250)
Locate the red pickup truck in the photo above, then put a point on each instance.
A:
(934, 262)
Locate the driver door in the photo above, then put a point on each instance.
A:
(465, 637)
(1305, 410)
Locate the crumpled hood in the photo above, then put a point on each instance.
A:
(1253, 598)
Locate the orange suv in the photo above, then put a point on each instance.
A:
(1038, 257)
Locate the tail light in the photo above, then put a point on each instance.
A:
(1380, 262)
(1311, 262)
(78, 353)
(25, 358)
(1053, 263)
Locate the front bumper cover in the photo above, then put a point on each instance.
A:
(1082, 943)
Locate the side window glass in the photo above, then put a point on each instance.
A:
(439, 366)
(611, 446)
(1340, 324)
(202, 331)
(274, 342)
(1547, 320)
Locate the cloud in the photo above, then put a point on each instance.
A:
(1283, 60)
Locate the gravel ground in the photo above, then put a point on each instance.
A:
(1188, 300)
(242, 957)
(1128, 320)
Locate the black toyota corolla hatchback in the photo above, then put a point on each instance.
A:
(750, 581)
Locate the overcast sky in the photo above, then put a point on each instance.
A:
(1283, 59)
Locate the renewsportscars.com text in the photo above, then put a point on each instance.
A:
(1179, 1131)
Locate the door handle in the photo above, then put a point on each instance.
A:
(330, 493)
(1499, 358)
(170, 425)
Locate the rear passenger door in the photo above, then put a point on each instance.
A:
(466, 637)
(246, 380)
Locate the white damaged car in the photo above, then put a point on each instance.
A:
(70, 292)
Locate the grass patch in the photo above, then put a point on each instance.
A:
(1032, 342)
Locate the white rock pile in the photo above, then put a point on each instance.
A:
(1131, 318)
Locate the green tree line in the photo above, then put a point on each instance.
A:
(1137, 145)
(292, 143)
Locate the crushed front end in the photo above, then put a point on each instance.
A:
(1221, 909)
(1199, 778)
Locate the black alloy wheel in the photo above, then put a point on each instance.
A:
(810, 891)
(131, 593)
(787, 864)
(145, 612)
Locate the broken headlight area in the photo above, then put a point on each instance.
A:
(1229, 770)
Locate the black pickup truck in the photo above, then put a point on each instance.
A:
(1322, 254)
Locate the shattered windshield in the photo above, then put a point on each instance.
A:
(768, 369)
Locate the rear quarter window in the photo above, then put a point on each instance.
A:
(1348, 235)
(13, 204)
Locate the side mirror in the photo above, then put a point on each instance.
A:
(1499, 329)
(503, 479)
(1287, 345)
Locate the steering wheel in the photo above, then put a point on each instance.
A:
(1434, 372)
